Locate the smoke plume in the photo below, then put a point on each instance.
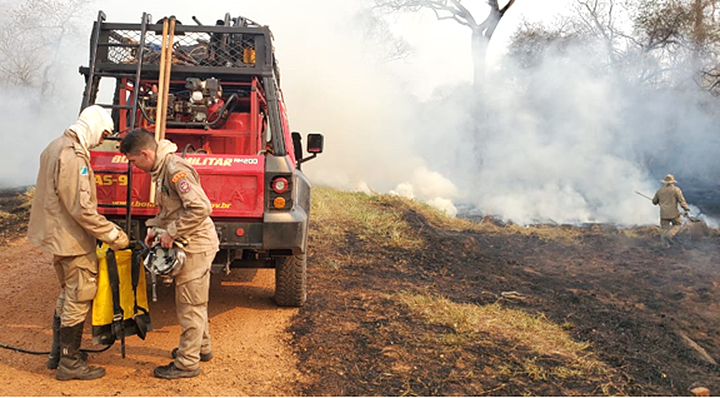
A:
(565, 142)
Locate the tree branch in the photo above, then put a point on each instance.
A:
(462, 11)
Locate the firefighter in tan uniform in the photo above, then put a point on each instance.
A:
(669, 197)
(184, 216)
(64, 222)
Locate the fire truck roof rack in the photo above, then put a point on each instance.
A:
(230, 53)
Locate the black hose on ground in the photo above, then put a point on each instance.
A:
(25, 351)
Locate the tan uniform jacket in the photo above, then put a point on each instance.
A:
(64, 219)
(184, 208)
(668, 197)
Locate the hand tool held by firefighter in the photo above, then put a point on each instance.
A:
(691, 217)
(644, 196)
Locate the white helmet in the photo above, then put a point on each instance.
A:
(165, 262)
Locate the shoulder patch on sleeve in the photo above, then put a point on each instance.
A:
(178, 176)
(83, 171)
(183, 185)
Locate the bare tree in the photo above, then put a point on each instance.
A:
(531, 41)
(32, 35)
(376, 32)
(654, 38)
(481, 30)
(683, 32)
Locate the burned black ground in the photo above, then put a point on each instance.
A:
(14, 213)
(632, 299)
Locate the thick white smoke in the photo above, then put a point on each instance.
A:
(564, 143)
(32, 118)
(568, 142)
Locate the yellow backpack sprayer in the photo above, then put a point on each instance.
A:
(120, 307)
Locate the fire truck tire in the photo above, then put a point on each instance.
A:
(290, 281)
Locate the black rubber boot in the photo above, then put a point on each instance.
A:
(54, 358)
(170, 371)
(72, 366)
(203, 357)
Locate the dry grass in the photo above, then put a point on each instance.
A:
(378, 217)
(552, 353)
(6, 216)
(17, 204)
(337, 214)
(27, 198)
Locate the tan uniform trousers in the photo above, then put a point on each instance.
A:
(78, 285)
(191, 303)
(670, 227)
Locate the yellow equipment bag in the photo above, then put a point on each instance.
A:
(120, 307)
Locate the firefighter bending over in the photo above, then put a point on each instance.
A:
(184, 216)
(64, 222)
(669, 197)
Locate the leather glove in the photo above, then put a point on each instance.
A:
(121, 242)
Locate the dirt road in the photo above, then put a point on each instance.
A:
(252, 356)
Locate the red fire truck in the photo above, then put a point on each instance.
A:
(218, 88)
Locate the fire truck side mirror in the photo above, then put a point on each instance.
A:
(315, 143)
(314, 147)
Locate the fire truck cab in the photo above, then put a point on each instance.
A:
(226, 113)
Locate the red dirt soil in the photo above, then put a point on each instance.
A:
(251, 351)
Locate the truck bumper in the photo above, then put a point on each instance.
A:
(286, 230)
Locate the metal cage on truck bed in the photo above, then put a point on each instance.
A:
(230, 52)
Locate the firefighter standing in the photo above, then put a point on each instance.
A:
(184, 215)
(64, 222)
(669, 197)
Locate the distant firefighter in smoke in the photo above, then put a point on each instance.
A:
(669, 197)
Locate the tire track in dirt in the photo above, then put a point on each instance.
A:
(252, 355)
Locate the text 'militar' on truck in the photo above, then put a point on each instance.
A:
(214, 91)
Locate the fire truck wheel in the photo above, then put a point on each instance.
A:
(290, 281)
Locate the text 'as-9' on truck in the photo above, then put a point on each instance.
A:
(214, 91)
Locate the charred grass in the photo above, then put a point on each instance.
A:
(14, 212)
(405, 301)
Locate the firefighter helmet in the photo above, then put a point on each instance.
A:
(165, 262)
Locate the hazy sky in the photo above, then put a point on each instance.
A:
(327, 69)
(560, 144)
